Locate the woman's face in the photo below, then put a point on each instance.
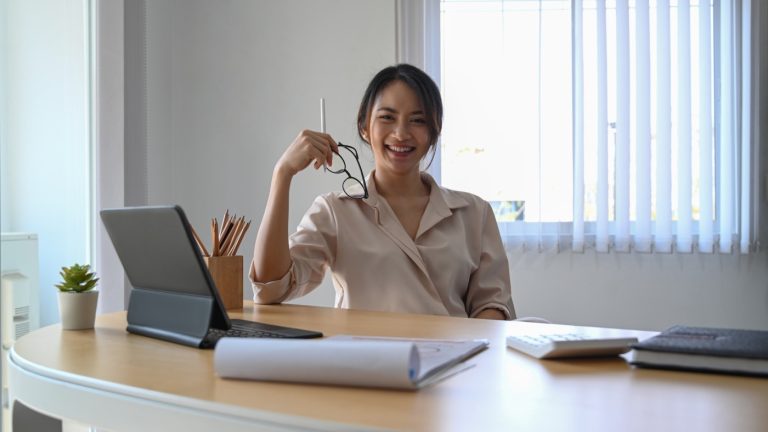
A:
(397, 130)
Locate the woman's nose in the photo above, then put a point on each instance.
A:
(401, 131)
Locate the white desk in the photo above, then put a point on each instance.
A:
(123, 382)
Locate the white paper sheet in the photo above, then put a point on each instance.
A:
(435, 355)
(345, 360)
(393, 364)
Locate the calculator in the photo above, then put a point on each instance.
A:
(562, 345)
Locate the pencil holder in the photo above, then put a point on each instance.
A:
(227, 274)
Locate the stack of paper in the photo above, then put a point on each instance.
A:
(345, 360)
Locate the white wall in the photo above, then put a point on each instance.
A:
(761, 85)
(643, 291)
(108, 107)
(229, 85)
(45, 134)
(4, 188)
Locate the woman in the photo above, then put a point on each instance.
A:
(409, 245)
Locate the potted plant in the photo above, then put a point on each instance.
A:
(77, 298)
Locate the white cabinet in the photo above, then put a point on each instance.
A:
(19, 297)
(20, 286)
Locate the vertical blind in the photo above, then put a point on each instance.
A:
(657, 151)
(673, 159)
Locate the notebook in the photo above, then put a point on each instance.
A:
(173, 297)
(705, 349)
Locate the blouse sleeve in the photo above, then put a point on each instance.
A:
(312, 249)
(489, 285)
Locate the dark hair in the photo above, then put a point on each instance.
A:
(426, 90)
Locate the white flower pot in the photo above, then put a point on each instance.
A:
(78, 310)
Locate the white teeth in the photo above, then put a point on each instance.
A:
(400, 149)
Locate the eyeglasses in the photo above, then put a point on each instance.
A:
(354, 187)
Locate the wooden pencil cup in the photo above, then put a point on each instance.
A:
(227, 274)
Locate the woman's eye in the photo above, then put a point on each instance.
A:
(386, 117)
(419, 121)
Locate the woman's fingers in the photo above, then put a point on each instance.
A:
(310, 146)
(325, 144)
(333, 146)
(316, 154)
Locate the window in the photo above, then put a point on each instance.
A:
(506, 85)
(45, 135)
(553, 114)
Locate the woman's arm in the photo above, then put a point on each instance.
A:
(489, 293)
(271, 256)
(494, 314)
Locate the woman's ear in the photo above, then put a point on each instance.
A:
(364, 134)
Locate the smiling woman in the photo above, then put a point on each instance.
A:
(429, 249)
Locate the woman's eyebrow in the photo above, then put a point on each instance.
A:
(387, 109)
(394, 111)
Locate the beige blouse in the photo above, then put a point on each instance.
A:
(456, 265)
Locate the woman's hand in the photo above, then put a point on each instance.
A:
(307, 147)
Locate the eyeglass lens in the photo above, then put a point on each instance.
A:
(353, 188)
(352, 185)
(338, 164)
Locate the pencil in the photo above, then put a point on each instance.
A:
(215, 231)
(240, 238)
(226, 232)
(228, 237)
(224, 222)
(243, 227)
(233, 237)
(322, 115)
(199, 242)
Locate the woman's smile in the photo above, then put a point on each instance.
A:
(399, 150)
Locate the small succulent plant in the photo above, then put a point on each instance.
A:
(77, 278)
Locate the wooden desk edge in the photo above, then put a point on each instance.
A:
(108, 405)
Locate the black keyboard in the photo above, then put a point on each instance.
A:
(243, 328)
